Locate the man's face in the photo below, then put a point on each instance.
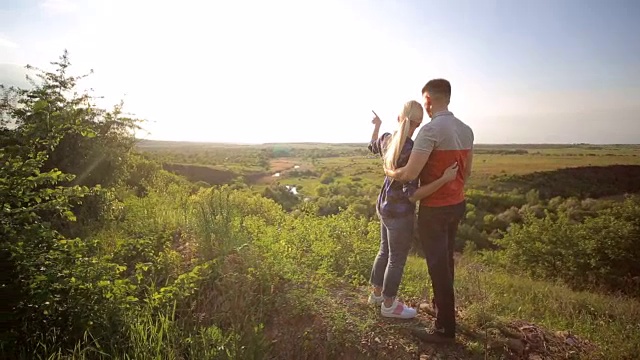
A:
(427, 103)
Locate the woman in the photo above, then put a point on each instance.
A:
(396, 209)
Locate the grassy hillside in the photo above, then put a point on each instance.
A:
(108, 255)
(224, 274)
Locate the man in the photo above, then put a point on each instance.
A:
(440, 143)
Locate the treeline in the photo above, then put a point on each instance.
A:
(249, 157)
(245, 157)
(581, 182)
(501, 151)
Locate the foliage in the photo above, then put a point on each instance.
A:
(91, 143)
(282, 195)
(601, 251)
(176, 269)
(57, 151)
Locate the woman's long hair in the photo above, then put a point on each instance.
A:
(411, 112)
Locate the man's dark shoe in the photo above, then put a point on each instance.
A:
(433, 336)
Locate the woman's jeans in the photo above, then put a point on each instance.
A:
(395, 242)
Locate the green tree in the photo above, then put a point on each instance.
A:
(91, 143)
(59, 154)
(30, 198)
(282, 195)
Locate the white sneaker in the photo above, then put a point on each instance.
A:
(398, 310)
(375, 300)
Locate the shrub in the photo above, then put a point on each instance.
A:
(601, 251)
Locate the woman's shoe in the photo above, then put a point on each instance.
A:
(375, 300)
(398, 310)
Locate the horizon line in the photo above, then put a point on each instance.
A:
(364, 142)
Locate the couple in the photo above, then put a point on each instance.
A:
(440, 159)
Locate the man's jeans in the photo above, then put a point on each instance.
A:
(395, 242)
(437, 228)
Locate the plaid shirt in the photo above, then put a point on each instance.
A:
(393, 200)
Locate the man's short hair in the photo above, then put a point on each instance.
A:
(438, 88)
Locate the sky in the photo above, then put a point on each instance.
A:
(547, 71)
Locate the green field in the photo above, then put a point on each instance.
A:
(352, 163)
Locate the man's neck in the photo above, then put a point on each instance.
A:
(438, 109)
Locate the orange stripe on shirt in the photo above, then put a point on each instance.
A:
(453, 192)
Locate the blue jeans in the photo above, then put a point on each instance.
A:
(395, 242)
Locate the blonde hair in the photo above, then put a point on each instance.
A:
(411, 112)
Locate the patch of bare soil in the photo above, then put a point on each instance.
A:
(338, 328)
(520, 339)
(276, 166)
(282, 164)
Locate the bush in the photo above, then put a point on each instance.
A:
(601, 251)
(282, 195)
(327, 178)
